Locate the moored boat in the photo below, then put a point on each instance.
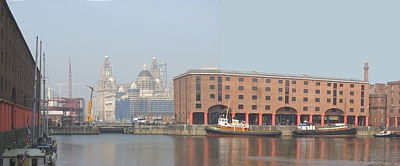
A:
(333, 130)
(236, 128)
(26, 157)
(386, 134)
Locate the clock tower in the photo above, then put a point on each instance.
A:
(106, 85)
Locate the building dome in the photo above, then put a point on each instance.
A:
(145, 73)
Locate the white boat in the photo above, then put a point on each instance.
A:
(16, 157)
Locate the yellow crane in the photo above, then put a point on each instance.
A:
(89, 118)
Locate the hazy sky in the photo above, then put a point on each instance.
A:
(318, 38)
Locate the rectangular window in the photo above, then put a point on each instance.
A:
(334, 85)
(254, 80)
(227, 87)
(317, 91)
(293, 82)
(352, 101)
(362, 102)
(268, 81)
(212, 78)
(294, 90)
(227, 96)
(198, 105)
(286, 99)
(280, 82)
(219, 79)
(198, 87)
(280, 98)
(254, 107)
(241, 87)
(227, 79)
(340, 85)
(316, 108)
(267, 107)
(317, 100)
(317, 83)
(305, 108)
(305, 99)
(351, 85)
(305, 90)
(219, 96)
(328, 92)
(334, 92)
(240, 97)
(241, 79)
(362, 87)
(293, 98)
(212, 86)
(198, 79)
(340, 92)
(240, 106)
(219, 87)
(351, 109)
(198, 96)
(287, 83)
(267, 98)
(340, 100)
(305, 82)
(287, 90)
(268, 89)
(280, 90)
(351, 93)
(212, 96)
(328, 100)
(328, 84)
(362, 94)
(254, 97)
(334, 101)
(254, 88)
(362, 110)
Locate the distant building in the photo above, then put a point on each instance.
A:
(201, 96)
(146, 99)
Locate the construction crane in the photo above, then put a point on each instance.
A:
(89, 118)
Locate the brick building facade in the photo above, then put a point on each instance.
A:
(16, 74)
(270, 99)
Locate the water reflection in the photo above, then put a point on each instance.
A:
(125, 149)
(288, 151)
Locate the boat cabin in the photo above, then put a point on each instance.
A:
(25, 157)
(306, 126)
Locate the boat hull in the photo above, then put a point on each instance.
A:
(213, 131)
(350, 132)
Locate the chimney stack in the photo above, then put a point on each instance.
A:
(366, 68)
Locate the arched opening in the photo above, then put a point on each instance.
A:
(286, 116)
(216, 111)
(334, 115)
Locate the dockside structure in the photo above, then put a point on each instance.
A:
(17, 68)
(270, 99)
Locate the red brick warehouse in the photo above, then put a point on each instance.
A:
(200, 96)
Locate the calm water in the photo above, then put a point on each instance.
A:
(154, 150)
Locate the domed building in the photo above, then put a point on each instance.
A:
(146, 99)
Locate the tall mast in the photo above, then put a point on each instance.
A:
(70, 88)
(40, 102)
(44, 97)
(34, 94)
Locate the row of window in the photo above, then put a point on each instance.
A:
(268, 107)
(287, 82)
(268, 89)
(280, 98)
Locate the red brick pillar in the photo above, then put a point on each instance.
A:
(322, 119)
(190, 117)
(345, 119)
(233, 115)
(356, 118)
(310, 118)
(396, 123)
(247, 118)
(260, 119)
(205, 118)
(2, 117)
(366, 120)
(387, 121)
(273, 119)
(298, 119)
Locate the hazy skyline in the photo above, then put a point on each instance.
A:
(317, 38)
(183, 34)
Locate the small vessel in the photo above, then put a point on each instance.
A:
(236, 128)
(333, 130)
(13, 157)
(386, 133)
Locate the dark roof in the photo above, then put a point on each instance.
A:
(145, 73)
(271, 75)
